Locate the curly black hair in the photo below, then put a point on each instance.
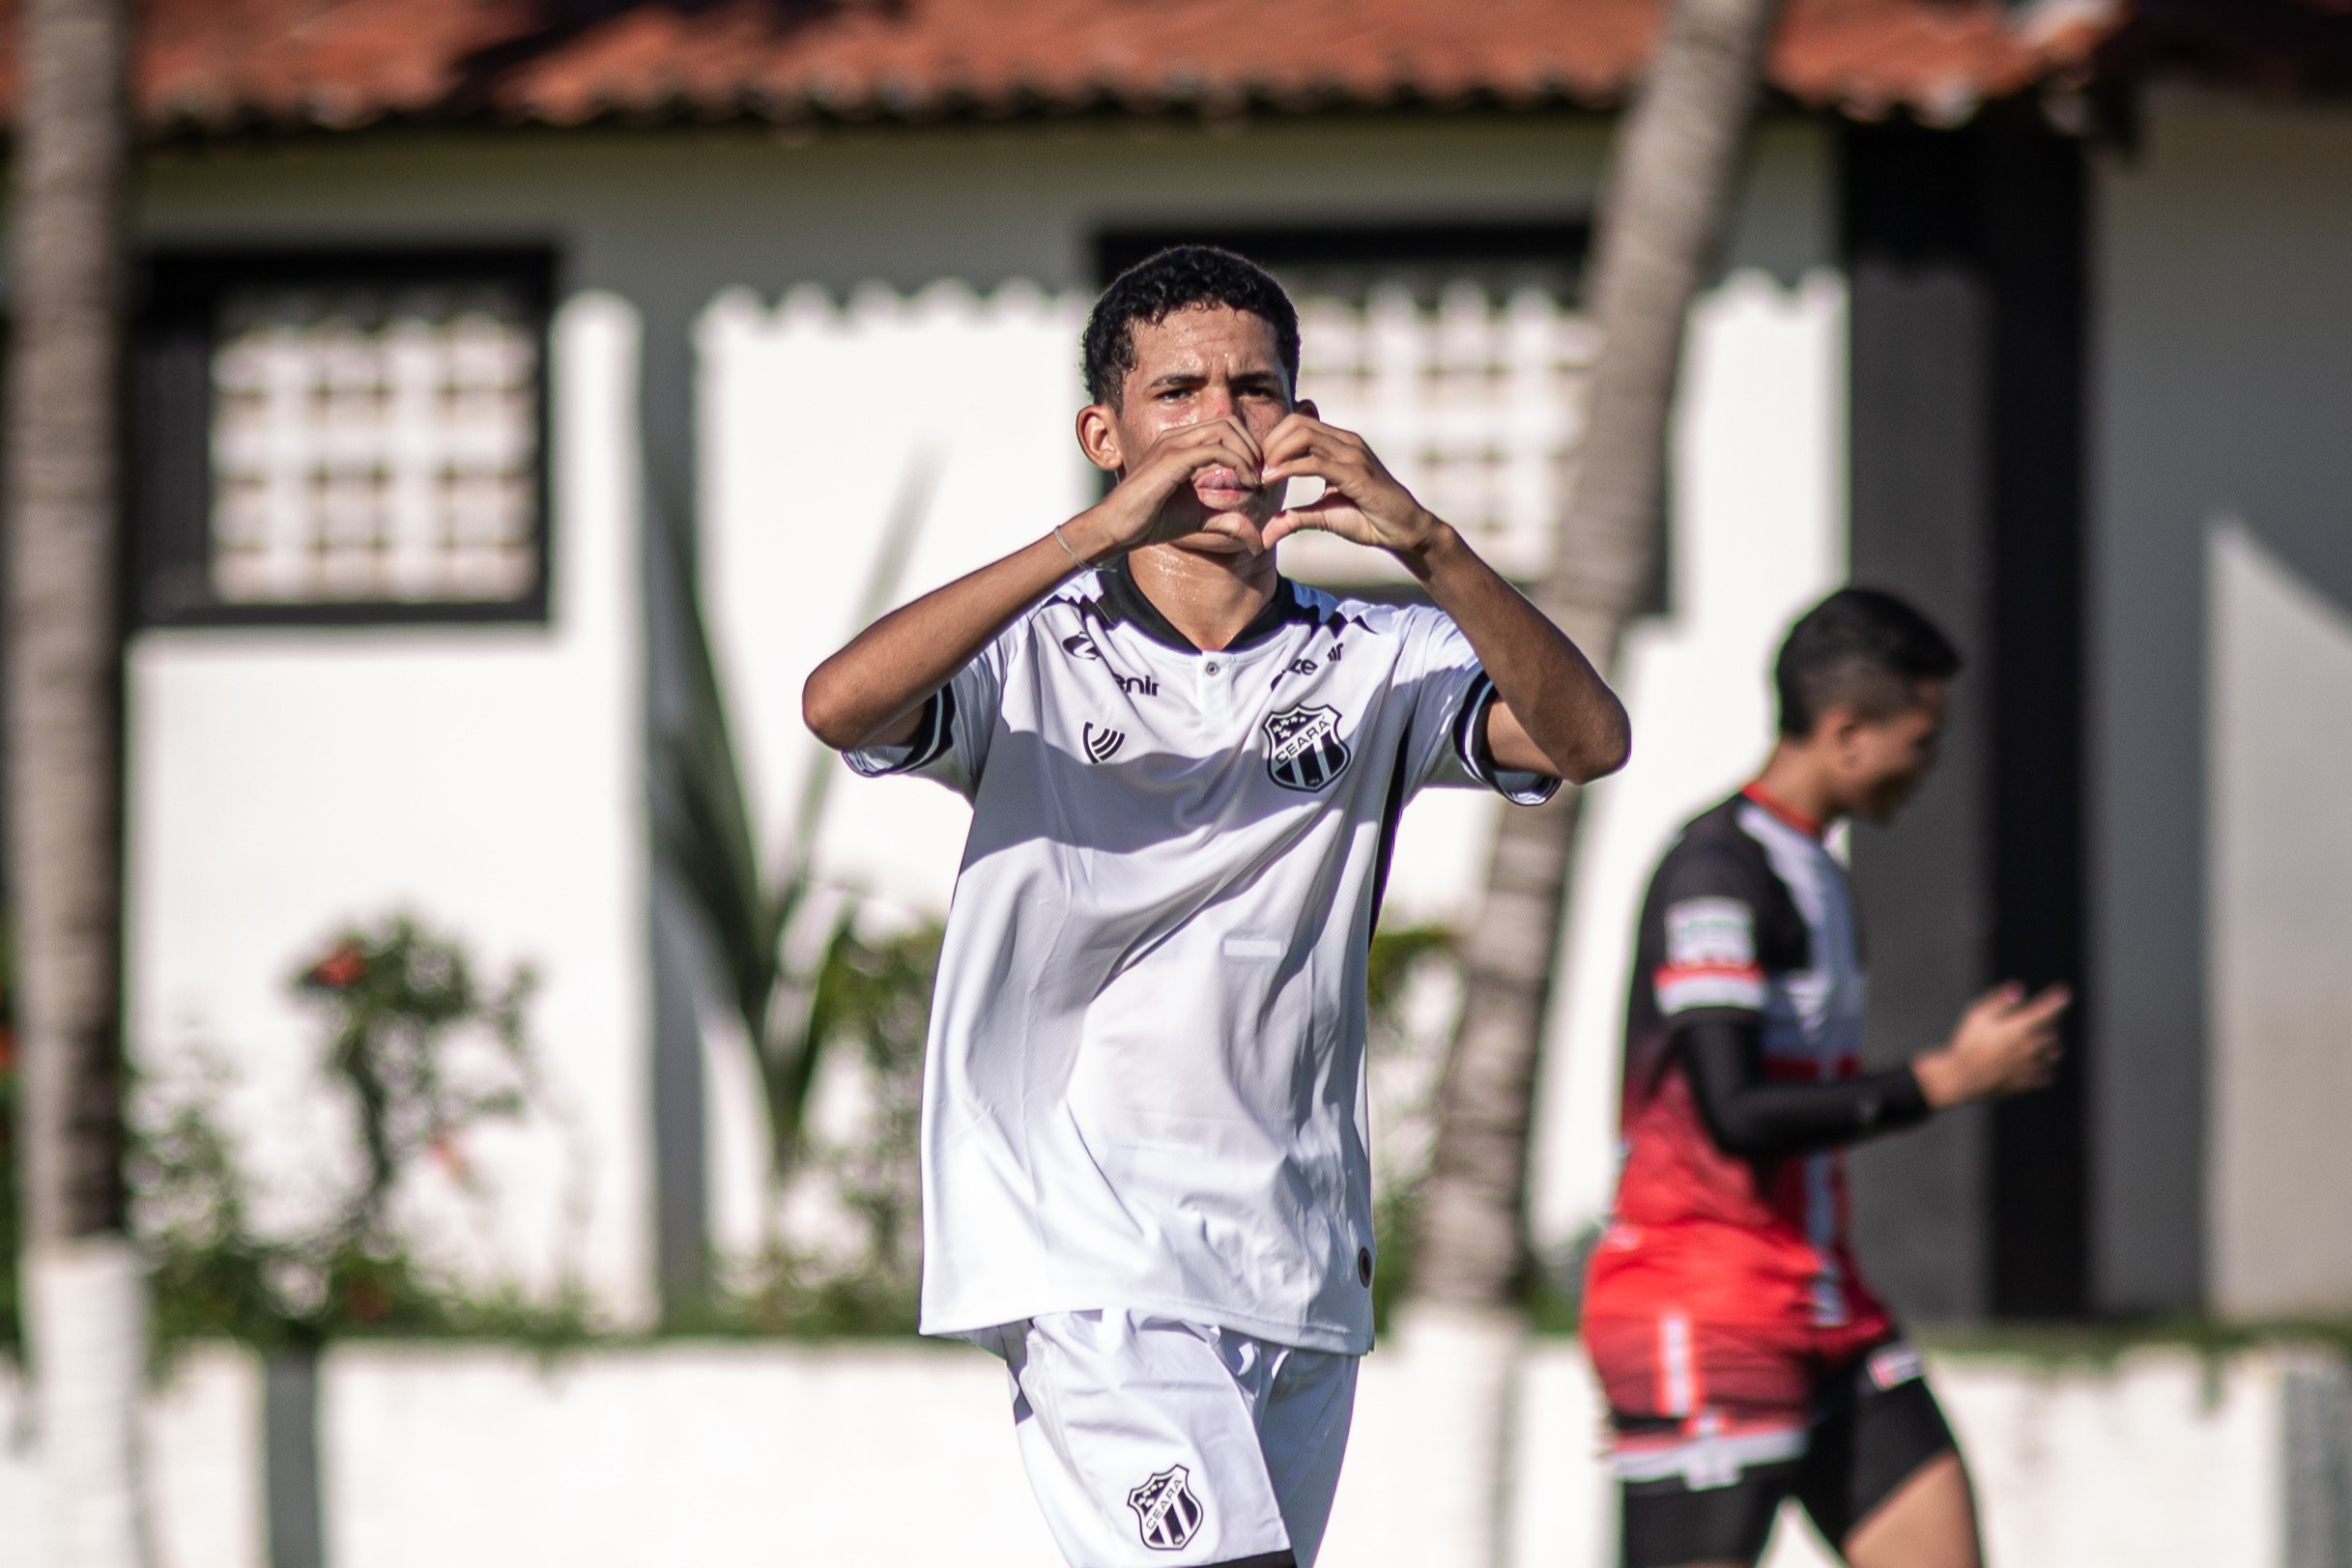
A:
(1174, 279)
(1860, 647)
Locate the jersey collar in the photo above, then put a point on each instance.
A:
(1786, 814)
(1123, 601)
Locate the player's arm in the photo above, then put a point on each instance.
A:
(1553, 714)
(872, 692)
(2005, 1044)
(1755, 1118)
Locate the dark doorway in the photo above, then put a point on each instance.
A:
(1967, 252)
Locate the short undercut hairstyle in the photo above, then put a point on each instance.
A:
(1175, 279)
(1860, 648)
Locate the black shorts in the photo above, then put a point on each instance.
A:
(1869, 1434)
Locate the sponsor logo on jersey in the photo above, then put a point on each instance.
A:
(1102, 745)
(1304, 667)
(1710, 958)
(1303, 750)
(1166, 1512)
(1082, 645)
(1711, 932)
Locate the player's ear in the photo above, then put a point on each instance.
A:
(1306, 405)
(1098, 437)
(1839, 729)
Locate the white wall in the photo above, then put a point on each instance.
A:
(284, 782)
(2281, 749)
(2222, 572)
(1759, 533)
(673, 218)
(2159, 1458)
(201, 1443)
(974, 242)
(801, 478)
(800, 481)
(243, 855)
(723, 1454)
(798, 477)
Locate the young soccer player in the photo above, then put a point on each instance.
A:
(1743, 1359)
(1144, 1172)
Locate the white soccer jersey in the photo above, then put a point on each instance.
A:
(1145, 1082)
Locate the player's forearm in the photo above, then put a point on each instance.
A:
(1754, 1118)
(1551, 688)
(871, 692)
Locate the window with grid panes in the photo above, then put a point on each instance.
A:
(339, 443)
(1472, 395)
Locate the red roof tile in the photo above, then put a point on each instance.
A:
(212, 66)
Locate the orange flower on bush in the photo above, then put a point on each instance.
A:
(340, 970)
(445, 1153)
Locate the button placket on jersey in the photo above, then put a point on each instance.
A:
(1213, 685)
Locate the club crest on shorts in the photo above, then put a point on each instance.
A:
(1166, 1511)
(1304, 750)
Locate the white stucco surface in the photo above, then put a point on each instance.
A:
(2160, 1458)
(285, 781)
(798, 477)
(2280, 858)
(672, 219)
(204, 1438)
(201, 1443)
(752, 1454)
(2222, 576)
(800, 483)
(1759, 533)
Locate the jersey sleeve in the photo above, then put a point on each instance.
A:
(951, 733)
(1451, 697)
(1752, 1117)
(1707, 962)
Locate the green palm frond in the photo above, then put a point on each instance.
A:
(703, 825)
(705, 836)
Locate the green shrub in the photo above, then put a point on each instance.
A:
(423, 1049)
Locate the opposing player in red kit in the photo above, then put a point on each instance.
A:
(1743, 1359)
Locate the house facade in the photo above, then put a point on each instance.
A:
(472, 334)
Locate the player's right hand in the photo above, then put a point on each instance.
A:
(1206, 477)
(2006, 1045)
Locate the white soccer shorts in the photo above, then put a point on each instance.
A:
(1150, 1440)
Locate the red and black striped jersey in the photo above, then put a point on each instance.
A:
(1748, 919)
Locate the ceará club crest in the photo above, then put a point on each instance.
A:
(1168, 1514)
(1303, 750)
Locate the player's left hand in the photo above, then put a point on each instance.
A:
(1361, 502)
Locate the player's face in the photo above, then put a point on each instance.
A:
(1881, 762)
(1202, 363)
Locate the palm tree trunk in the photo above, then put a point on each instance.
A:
(1663, 217)
(83, 1289)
